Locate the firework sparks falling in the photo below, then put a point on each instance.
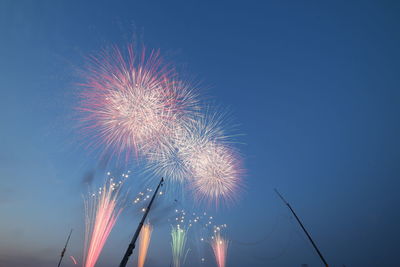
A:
(131, 102)
(144, 242)
(101, 213)
(220, 248)
(178, 244)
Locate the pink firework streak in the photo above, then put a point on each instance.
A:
(220, 248)
(73, 260)
(101, 213)
(131, 103)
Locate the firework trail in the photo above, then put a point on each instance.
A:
(132, 102)
(73, 260)
(101, 213)
(220, 248)
(178, 246)
(144, 242)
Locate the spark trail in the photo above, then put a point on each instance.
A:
(73, 260)
(220, 248)
(144, 243)
(178, 246)
(101, 212)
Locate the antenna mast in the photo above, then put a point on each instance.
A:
(64, 249)
(304, 229)
(131, 246)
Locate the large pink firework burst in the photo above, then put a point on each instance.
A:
(130, 102)
(133, 103)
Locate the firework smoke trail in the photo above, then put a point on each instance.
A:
(101, 213)
(178, 246)
(220, 248)
(132, 102)
(144, 242)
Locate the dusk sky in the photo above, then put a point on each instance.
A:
(313, 91)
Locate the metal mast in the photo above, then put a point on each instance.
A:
(64, 249)
(304, 229)
(131, 246)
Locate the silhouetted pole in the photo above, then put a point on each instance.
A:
(64, 249)
(304, 229)
(131, 246)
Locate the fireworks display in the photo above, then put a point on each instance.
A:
(131, 102)
(220, 248)
(144, 243)
(178, 245)
(174, 159)
(203, 230)
(215, 172)
(134, 103)
(101, 212)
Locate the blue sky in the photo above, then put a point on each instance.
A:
(313, 86)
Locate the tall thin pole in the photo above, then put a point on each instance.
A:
(131, 246)
(64, 249)
(302, 227)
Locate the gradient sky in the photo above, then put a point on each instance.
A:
(313, 86)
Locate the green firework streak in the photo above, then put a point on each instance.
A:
(178, 246)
